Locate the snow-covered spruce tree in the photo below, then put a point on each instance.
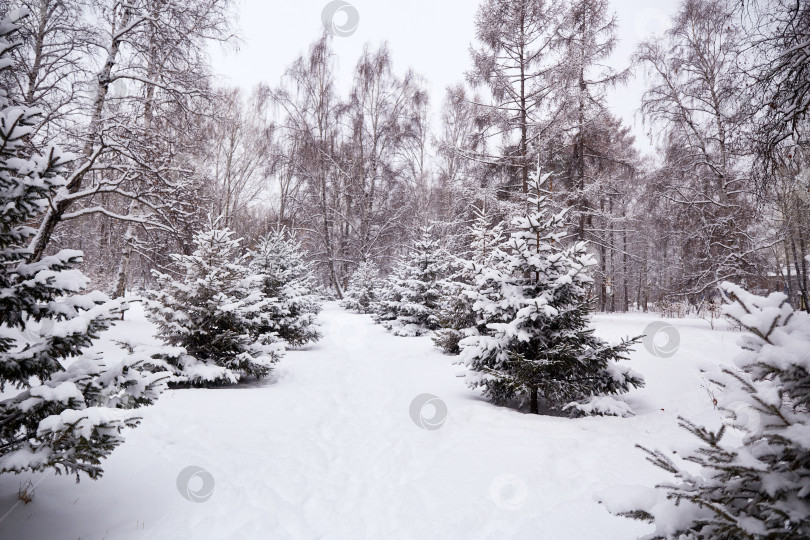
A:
(759, 489)
(364, 288)
(62, 406)
(410, 299)
(287, 279)
(214, 314)
(456, 315)
(534, 303)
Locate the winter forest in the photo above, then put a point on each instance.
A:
(345, 303)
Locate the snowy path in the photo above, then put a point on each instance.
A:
(327, 449)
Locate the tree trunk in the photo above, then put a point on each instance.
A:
(524, 117)
(602, 267)
(801, 278)
(626, 307)
(122, 275)
(58, 209)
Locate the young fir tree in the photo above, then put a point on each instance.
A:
(410, 300)
(285, 277)
(533, 302)
(759, 489)
(63, 406)
(364, 289)
(457, 317)
(215, 314)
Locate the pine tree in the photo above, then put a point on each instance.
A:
(215, 314)
(457, 317)
(285, 277)
(411, 296)
(761, 488)
(364, 288)
(533, 302)
(63, 406)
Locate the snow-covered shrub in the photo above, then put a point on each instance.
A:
(410, 299)
(286, 278)
(533, 303)
(364, 288)
(214, 314)
(63, 406)
(760, 488)
(456, 314)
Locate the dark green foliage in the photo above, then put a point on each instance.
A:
(533, 302)
(288, 280)
(364, 290)
(410, 300)
(760, 489)
(62, 407)
(216, 314)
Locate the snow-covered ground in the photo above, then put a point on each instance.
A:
(327, 448)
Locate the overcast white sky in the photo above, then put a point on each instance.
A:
(431, 36)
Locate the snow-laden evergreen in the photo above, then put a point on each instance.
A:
(364, 289)
(533, 300)
(410, 300)
(760, 488)
(215, 314)
(288, 280)
(457, 316)
(63, 406)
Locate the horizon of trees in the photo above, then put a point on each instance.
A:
(128, 89)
